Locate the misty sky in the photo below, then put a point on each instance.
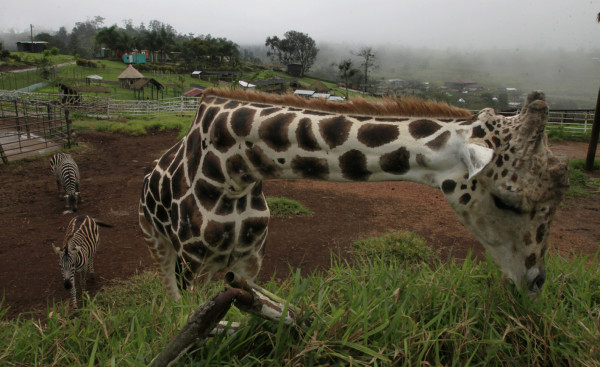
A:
(438, 24)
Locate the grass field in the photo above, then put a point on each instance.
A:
(379, 310)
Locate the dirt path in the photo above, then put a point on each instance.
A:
(112, 167)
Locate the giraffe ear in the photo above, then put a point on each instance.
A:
(475, 157)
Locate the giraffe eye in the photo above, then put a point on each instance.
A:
(502, 205)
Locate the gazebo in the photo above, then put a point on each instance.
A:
(140, 84)
(129, 76)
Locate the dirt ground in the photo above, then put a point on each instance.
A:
(112, 167)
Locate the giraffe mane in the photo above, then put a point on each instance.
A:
(406, 106)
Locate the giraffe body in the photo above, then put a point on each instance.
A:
(203, 200)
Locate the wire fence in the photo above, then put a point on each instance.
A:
(29, 128)
(107, 107)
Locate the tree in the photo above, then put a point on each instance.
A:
(368, 63)
(346, 71)
(295, 47)
(109, 37)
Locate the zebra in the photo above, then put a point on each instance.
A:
(66, 173)
(77, 255)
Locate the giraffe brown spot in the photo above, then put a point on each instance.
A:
(499, 161)
(362, 118)
(151, 205)
(168, 157)
(270, 111)
(174, 215)
(422, 160)
(241, 121)
(190, 219)
(211, 167)
(306, 137)
(423, 128)
(177, 161)
(448, 186)
(192, 152)
(310, 167)
(237, 170)
(231, 105)
(464, 199)
(375, 135)
(207, 194)
(225, 206)
(335, 130)
(316, 113)
(390, 119)
(478, 132)
(497, 142)
(162, 215)
(262, 162)
(527, 239)
(257, 199)
(220, 136)
(540, 233)
(439, 142)
(530, 261)
(354, 166)
(208, 118)
(154, 183)
(165, 191)
(396, 162)
(260, 105)
(252, 230)
(158, 225)
(195, 251)
(241, 204)
(219, 100)
(274, 131)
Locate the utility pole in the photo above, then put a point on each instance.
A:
(31, 35)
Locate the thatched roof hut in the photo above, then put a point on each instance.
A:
(129, 76)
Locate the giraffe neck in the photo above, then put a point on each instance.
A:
(250, 142)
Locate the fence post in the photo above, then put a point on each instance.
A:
(68, 122)
(4, 158)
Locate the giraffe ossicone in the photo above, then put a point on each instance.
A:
(202, 201)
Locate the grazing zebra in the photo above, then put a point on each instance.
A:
(66, 173)
(79, 248)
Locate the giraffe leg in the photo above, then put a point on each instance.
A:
(164, 256)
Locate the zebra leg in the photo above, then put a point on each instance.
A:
(90, 271)
(73, 293)
(164, 256)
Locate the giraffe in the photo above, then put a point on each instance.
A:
(202, 202)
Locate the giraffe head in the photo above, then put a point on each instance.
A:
(512, 189)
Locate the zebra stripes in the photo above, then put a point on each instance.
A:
(66, 173)
(77, 255)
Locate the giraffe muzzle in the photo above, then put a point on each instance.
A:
(535, 286)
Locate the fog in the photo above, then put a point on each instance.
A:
(552, 45)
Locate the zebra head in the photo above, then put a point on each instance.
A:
(67, 263)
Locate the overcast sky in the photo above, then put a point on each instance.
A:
(439, 24)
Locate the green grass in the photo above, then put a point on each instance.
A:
(376, 311)
(581, 184)
(286, 208)
(135, 126)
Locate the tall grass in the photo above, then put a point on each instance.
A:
(375, 311)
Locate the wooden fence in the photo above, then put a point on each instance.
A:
(106, 107)
(577, 122)
(30, 128)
